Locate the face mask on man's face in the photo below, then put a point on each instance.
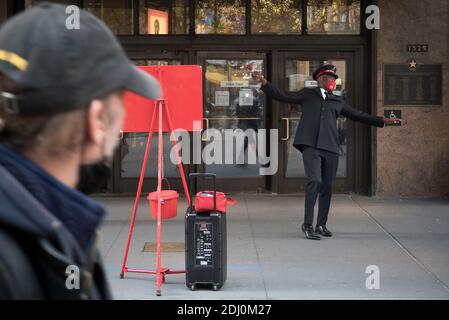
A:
(330, 85)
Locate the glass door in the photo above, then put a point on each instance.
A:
(234, 114)
(129, 157)
(297, 70)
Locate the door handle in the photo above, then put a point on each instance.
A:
(287, 122)
(206, 138)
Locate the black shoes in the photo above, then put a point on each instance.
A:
(310, 234)
(322, 230)
(315, 234)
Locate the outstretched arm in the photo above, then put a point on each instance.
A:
(357, 115)
(287, 97)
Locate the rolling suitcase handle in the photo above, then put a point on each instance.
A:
(192, 176)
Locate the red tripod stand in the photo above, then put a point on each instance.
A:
(160, 272)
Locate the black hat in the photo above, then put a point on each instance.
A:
(325, 69)
(58, 68)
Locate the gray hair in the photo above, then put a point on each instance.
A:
(56, 135)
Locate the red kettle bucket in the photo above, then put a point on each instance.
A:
(169, 203)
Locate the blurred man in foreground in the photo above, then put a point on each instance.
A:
(60, 108)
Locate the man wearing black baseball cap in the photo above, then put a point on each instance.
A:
(317, 139)
(60, 108)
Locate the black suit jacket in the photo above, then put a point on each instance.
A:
(318, 124)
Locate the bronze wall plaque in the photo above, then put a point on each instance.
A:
(418, 85)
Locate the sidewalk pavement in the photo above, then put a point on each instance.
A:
(269, 258)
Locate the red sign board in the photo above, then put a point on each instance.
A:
(182, 91)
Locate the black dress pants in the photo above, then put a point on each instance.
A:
(321, 168)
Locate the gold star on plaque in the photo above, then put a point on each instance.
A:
(412, 64)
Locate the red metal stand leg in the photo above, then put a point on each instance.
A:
(139, 191)
(159, 204)
(159, 272)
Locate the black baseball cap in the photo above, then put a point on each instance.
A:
(58, 68)
(329, 69)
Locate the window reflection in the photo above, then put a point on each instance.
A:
(276, 16)
(132, 151)
(234, 101)
(116, 14)
(30, 3)
(220, 16)
(164, 17)
(225, 79)
(157, 62)
(333, 16)
(224, 16)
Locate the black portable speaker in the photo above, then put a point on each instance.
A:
(206, 245)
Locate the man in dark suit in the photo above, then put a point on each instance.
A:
(317, 138)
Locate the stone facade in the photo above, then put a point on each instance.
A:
(413, 160)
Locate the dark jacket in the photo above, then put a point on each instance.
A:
(45, 227)
(318, 125)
